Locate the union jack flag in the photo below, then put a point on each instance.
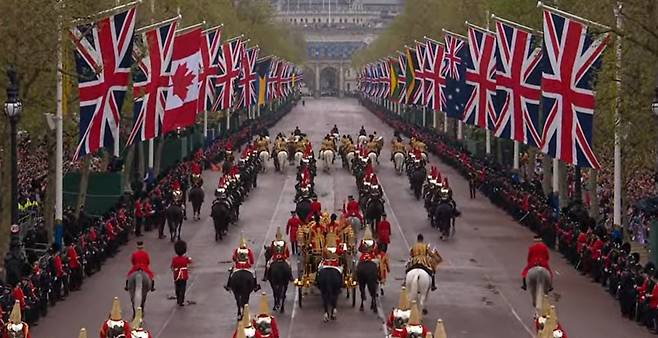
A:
(228, 63)
(402, 76)
(211, 47)
(435, 81)
(480, 79)
(518, 77)
(453, 69)
(384, 80)
(274, 79)
(573, 59)
(247, 94)
(370, 79)
(286, 79)
(103, 60)
(152, 53)
(420, 95)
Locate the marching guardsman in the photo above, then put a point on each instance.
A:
(180, 265)
(291, 230)
(243, 259)
(278, 250)
(246, 327)
(115, 326)
(421, 257)
(415, 327)
(137, 330)
(399, 316)
(16, 327)
(367, 247)
(265, 323)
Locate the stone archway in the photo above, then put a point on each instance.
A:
(309, 79)
(329, 81)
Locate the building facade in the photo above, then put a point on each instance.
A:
(334, 30)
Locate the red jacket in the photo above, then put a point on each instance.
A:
(274, 328)
(72, 255)
(406, 334)
(25, 330)
(537, 256)
(180, 266)
(595, 248)
(19, 296)
(243, 264)
(279, 256)
(384, 231)
(291, 228)
(59, 269)
(395, 333)
(105, 328)
(316, 207)
(138, 209)
(140, 261)
(195, 168)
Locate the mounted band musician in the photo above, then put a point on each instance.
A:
(280, 147)
(422, 257)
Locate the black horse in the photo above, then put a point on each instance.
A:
(196, 197)
(416, 178)
(367, 275)
(330, 281)
(374, 209)
(442, 218)
(279, 274)
(303, 208)
(242, 284)
(175, 221)
(221, 216)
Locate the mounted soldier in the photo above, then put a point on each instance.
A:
(16, 327)
(399, 317)
(115, 326)
(246, 327)
(243, 259)
(422, 257)
(278, 251)
(265, 323)
(415, 328)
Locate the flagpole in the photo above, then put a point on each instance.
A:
(617, 148)
(59, 139)
(157, 24)
(105, 12)
(151, 143)
(573, 17)
(445, 123)
(487, 131)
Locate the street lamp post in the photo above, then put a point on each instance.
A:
(13, 109)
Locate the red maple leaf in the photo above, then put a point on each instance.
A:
(182, 79)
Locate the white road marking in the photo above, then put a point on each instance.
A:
(509, 305)
(173, 310)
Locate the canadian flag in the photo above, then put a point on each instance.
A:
(183, 91)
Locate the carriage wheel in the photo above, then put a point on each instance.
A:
(299, 296)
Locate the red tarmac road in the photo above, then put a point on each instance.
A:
(478, 294)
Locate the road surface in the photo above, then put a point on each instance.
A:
(478, 292)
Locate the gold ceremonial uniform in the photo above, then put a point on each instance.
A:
(372, 146)
(397, 147)
(327, 145)
(420, 255)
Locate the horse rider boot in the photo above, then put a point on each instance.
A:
(243, 259)
(140, 260)
(115, 325)
(16, 327)
(538, 255)
(399, 317)
(279, 251)
(415, 328)
(265, 323)
(420, 257)
(138, 330)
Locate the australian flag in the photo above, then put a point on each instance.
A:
(453, 69)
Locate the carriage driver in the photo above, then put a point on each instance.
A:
(278, 250)
(243, 259)
(332, 252)
(537, 256)
(421, 258)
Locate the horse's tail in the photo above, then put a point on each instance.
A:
(137, 299)
(414, 286)
(539, 295)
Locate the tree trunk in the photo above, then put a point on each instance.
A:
(84, 182)
(594, 197)
(128, 168)
(547, 164)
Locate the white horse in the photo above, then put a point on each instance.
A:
(398, 159)
(282, 157)
(418, 282)
(539, 282)
(424, 156)
(327, 158)
(298, 158)
(350, 159)
(362, 139)
(372, 156)
(264, 158)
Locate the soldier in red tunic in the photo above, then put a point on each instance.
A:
(243, 259)
(180, 265)
(415, 328)
(316, 207)
(16, 327)
(383, 234)
(279, 251)
(291, 230)
(367, 247)
(246, 327)
(352, 209)
(537, 256)
(74, 265)
(140, 260)
(265, 323)
(115, 326)
(399, 317)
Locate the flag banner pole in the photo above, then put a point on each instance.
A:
(156, 25)
(476, 27)
(189, 28)
(516, 155)
(105, 12)
(234, 38)
(212, 28)
(457, 35)
(573, 17)
(432, 40)
(517, 25)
